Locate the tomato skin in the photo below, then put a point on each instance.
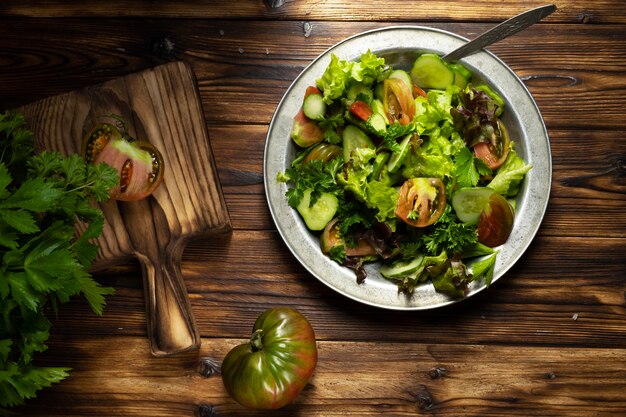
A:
(424, 196)
(418, 91)
(139, 164)
(305, 132)
(496, 221)
(271, 369)
(330, 238)
(398, 101)
(361, 110)
(494, 154)
(311, 90)
(323, 152)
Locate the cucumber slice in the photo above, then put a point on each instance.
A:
(401, 268)
(397, 158)
(379, 163)
(461, 75)
(468, 203)
(317, 216)
(354, 138)
(430, 71)
(379, 108)
(314, 107)
(377, 124)
(402, 75)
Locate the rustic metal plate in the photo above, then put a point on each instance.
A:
(400, 45)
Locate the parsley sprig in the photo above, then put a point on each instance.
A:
(315, 175)
(44, 261)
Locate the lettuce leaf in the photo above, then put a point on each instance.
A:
(334, 80)
(340, 73)
(369, 69)
(510, 175)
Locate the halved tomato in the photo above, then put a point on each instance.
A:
(139, 164)
(496, 221)
(330, 239)
(422, 201)
(494, 153)
(398, 101)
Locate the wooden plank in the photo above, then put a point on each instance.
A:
(230, 280)
(352, 378)
(572, 11)
(239, 69)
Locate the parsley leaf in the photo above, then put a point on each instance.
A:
(468, 168)
(449, 235)
(43, 259)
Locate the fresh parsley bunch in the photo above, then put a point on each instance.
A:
(43, 259)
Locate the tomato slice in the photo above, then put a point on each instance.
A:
(139, 164)
(418, 91)
(330, 239)
(361, 110)
(398, 101)
(311, 90)
(496, 221)
(97, 139)
(494, 153)
(422, 201)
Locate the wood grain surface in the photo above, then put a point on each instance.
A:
(159, 106)
(548, 339)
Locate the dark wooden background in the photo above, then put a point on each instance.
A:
(548, 339)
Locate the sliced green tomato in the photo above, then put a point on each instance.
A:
(318, 215)
(401, 268)
(469, 202)
(354, 138)
(430, 71)
(397, 158)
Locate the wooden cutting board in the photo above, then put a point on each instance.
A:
(162, 106)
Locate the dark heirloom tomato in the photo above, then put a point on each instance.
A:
(271, 369)
(139, 164)
(398, 101)
(323, 152)
(496, 221)
(494, 153)
(330, 239)
(421, 202)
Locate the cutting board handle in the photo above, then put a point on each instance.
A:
(171, 324)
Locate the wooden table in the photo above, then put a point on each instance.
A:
(548, 339)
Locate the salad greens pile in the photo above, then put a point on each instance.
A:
(410, 169)
(43, 260)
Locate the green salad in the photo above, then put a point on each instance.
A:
(410, 168)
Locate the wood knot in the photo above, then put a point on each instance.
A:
(206, 410)
(208, 367)
(437, 372)
(422, 397)
(550, 375)
(585, 18)
(163, 46)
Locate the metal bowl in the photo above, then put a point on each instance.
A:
(400, 45)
